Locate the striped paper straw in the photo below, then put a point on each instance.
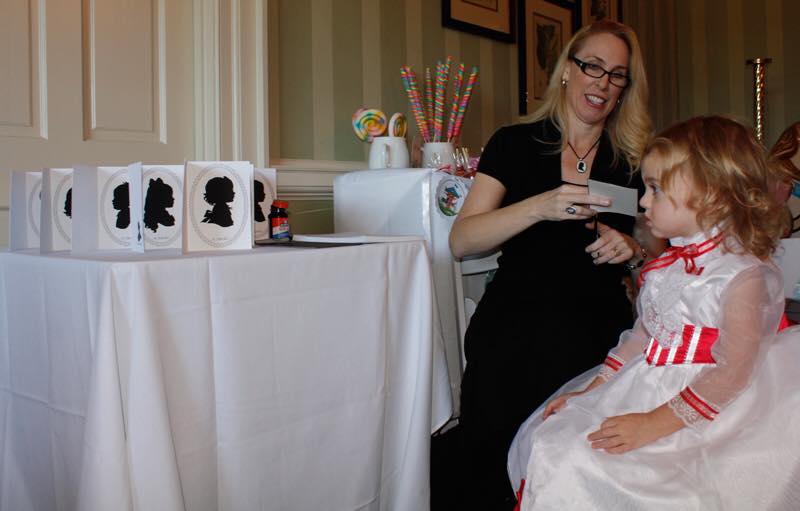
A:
(462, 108)
(429, 97)
(414, 100)
(454, 111)
(442, 77)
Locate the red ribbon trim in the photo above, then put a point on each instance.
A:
(688, 253)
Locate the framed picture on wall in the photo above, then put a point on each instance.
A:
(545, 28)
(593, 10)
(489, 18)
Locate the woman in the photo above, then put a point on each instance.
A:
(556, 279)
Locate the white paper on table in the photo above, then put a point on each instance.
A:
(623, 200)
(56, 217)
(25, 210)
(217, 211)
(101, 208)
(351, 237)
(265, 188)
(162, 188)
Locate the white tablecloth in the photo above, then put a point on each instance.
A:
(277, 378)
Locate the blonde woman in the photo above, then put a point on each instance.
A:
(537, 324)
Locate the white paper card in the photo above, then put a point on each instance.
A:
(25, 210)
(56, 210)
(623, 200)
(104, 218)
(264, 192)
(162, 186)
(217, 200)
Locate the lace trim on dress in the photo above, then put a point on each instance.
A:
(683, 411)
(691, 408)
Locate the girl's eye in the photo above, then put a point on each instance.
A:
(655, 189)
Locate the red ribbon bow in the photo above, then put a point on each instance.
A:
(688, 253)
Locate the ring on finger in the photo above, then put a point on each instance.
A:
(571, 210)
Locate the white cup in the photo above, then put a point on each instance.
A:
(388, 153)
(435, 155)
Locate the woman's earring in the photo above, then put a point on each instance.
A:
(563, 82)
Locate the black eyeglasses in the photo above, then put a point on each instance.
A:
(620, 80)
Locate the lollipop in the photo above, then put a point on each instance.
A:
(398, 125)
(369, 123)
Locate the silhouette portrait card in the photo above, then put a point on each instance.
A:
(162, 186)
(264, 192)
(56, 231)
(217, 200)
(104, 217)
(25, 210)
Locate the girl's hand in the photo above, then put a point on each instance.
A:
(558, 403)
(567, 202)
(612, 246)
(625, 433)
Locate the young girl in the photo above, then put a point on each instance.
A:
(696, 407)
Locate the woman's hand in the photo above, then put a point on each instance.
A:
(558, 403)
(612, 246)
(567, 202)
(627, 432)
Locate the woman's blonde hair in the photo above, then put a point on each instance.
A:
(628, 124)
(727, 170)
(780, 157)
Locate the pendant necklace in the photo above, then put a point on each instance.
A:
(581, 166)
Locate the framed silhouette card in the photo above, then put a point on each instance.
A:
(162, 186)
(107, 208)
(217, 213)
(25, 211)
(56, 231)
(265, 188)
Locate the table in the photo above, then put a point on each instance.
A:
(275, 378)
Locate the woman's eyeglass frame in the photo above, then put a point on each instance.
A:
(613, 76)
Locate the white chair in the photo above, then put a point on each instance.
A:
(470, 283)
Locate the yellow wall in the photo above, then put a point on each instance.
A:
(696, 52)
(335, 56)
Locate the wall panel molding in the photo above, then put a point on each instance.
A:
(35, 126)
(115, 82)
(206, 79)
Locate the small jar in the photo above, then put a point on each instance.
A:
(279, 221)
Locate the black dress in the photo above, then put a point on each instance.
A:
(549, 313)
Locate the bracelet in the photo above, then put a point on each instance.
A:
(630, 265)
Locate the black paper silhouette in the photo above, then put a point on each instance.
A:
(219, 192)
(258, 196)
(159, 198)
(122, 204)
(68, 204)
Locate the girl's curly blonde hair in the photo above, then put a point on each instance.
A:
(727, 170)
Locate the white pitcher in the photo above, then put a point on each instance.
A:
(388, 153)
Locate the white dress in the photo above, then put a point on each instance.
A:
(705, 343)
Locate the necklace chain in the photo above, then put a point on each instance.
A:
(581, 165)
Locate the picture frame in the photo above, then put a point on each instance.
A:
(495, 19)
(593, 10)
(545, 27)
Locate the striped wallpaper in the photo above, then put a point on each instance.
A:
(696, 52)
(338, 55)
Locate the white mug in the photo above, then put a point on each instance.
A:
(388, 153)
(435, 155)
